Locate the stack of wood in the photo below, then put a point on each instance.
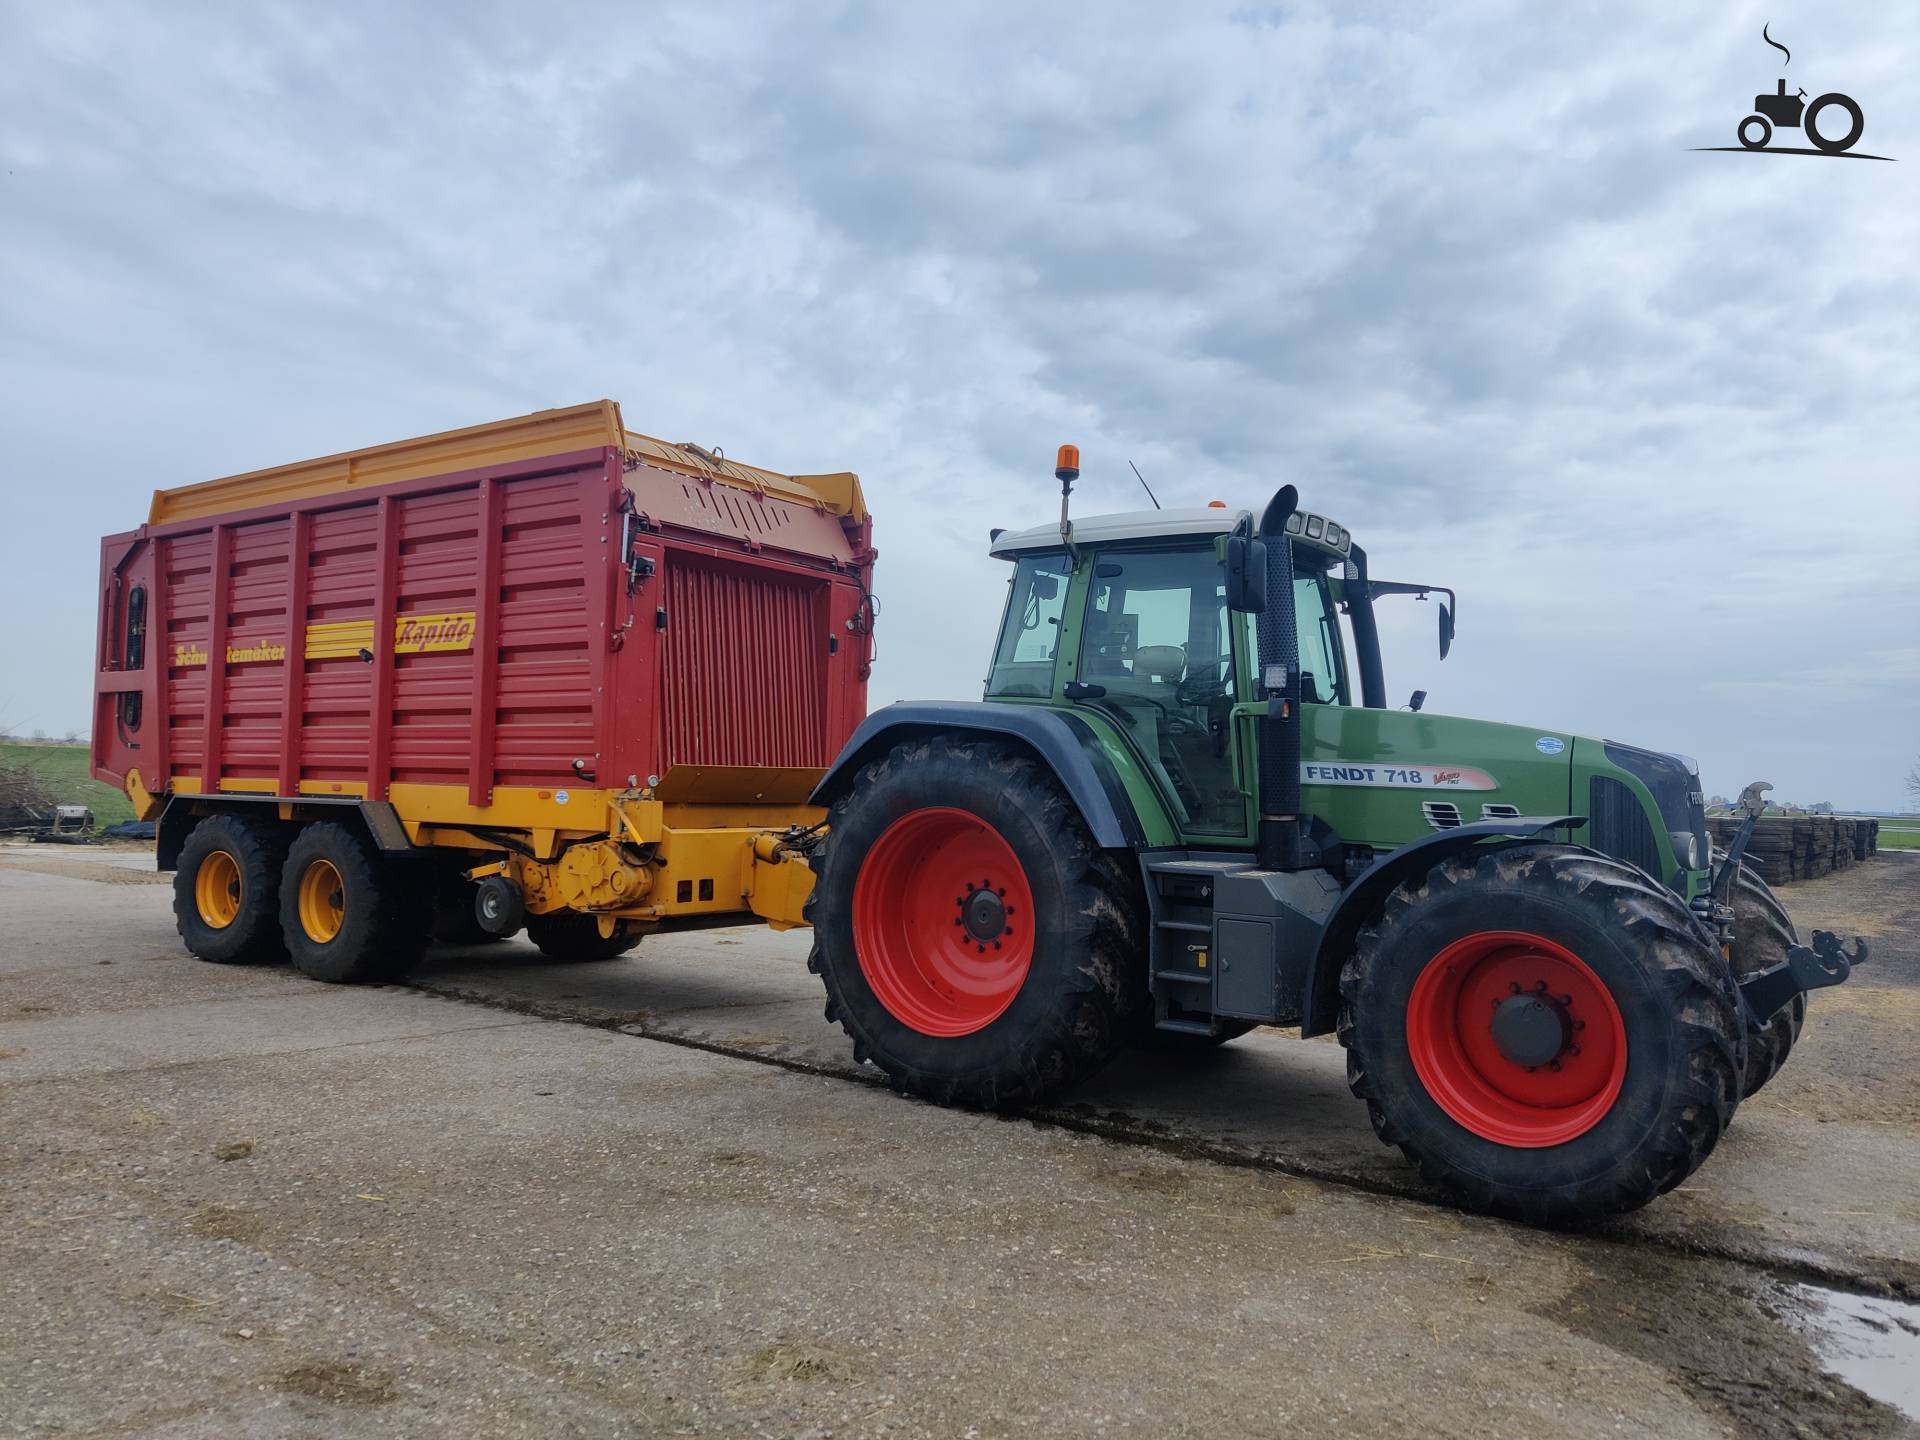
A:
(1801, 847)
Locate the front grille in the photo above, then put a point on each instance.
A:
(1618, 825)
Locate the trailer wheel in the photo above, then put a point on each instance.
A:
(1543, 1031)
(574, 938)
(226, 891)
(349, 914)
(1762, 932)
(975, 944)
(456, 921)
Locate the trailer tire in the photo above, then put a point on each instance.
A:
(1762, 931)
(1649, 1029)
(975, 943)
(226, 891)
(573, 937)
(351, 915)
(455, 920)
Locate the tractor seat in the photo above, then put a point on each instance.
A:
(1163, 664)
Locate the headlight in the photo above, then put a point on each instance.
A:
(1687, 846)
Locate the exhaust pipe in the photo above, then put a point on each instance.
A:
(1278, 845)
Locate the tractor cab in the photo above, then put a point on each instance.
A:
(1129, 618)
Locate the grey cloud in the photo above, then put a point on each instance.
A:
(1456, 274)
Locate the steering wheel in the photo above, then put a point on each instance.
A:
(1205, 680)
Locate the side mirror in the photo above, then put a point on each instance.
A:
(1246, 573)
(1419, 699)
(1446, 630)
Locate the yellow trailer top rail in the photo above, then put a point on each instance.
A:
(525, 437)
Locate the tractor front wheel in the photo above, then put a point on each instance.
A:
(975, 944)
(1762, 932)
(1544, 1031)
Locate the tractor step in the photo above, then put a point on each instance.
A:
(1186, 1027)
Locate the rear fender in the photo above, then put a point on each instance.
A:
(1363, 899)
(376, 818)
(1066, 745)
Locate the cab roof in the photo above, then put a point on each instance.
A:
(1200, 522)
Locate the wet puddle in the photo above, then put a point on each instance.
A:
(1871, 1343)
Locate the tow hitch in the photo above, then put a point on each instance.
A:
(1827, 963)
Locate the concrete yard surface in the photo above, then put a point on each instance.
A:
(544, 1202)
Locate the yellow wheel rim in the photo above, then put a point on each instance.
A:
(217, 890)
(323, 901)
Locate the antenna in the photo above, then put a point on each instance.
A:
(1143, 484)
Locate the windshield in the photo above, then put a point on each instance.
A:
(1030, 632)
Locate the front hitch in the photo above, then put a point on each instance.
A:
(1827, 963)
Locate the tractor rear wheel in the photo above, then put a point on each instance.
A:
(351, 915)
(226, 891)
(975, 943)
(1544, 1031)
(574, 937)
(1762, 932)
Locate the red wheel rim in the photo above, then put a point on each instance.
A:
(1450, 1036)
(943, 922)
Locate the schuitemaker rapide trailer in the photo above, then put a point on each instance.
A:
(543, 669)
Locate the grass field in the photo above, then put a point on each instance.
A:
(64, 768)
(1906, 837)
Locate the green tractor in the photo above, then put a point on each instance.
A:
(1184, 808)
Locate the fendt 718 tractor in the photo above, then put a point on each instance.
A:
(1184, 809)
(551, 673)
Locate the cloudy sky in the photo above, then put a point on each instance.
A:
(1453, 270)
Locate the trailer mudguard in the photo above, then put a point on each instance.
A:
(1064, 744)
(183, 812)
(1362, 899)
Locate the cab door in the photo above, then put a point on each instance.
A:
(1159, 655)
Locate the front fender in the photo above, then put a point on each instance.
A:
(1063, 743)
(1362, 899)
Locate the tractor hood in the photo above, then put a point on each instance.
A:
(1384, 778)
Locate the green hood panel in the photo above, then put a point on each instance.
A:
(1387, 777)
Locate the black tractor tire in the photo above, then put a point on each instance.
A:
(1066, 1014)
(1648, 965)
(1810, 123)
(573, 937)
(1762, 931)
(247, 856)
(364, 917)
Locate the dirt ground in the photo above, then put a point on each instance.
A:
(238, 1203)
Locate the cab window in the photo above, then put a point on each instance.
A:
(1323, 677)
(1158, 645)
(1030, 632)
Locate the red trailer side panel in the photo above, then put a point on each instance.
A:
(484, 629)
